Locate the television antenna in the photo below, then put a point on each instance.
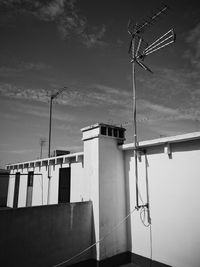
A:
(139, 50)
(52, 97)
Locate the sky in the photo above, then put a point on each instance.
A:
(83, 45)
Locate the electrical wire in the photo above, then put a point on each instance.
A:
(144, 216)
(94, 244)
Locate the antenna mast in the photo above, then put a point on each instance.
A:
(139, 50)
(52, 97)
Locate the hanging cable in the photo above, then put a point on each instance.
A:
(144, 216)
(94, 244)
(151, 244)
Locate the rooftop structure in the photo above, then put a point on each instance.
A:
(103, 175)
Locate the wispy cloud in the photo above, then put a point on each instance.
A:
(176, 89)
(13, 91)
(112, 90)
(193, 51)
(42, 112)
(95, 38)
(63, 13)
(157, 98)
(74, 97)
(22, 67)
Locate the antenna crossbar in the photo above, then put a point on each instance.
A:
(143, 66)
(58, 92)
(156, 49)
(149, 21)
(156, 41)
(157, 44)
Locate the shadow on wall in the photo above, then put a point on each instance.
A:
(4, 177)
(45, 235)
(143, 193)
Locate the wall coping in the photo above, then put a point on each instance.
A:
(163, 140)
(47, 161)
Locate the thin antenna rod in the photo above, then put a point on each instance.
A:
(52, 97)
(151, 20)
(159, 47)
(147, 51)
(172, 32)
(134, 120)
(138, 46)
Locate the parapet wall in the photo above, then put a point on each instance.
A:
(45, 235)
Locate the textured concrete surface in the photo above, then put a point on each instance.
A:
(45, 235)
(129, 265)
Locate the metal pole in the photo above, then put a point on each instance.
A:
(50, 118)
(42, 143)
(134, 119)
(49, 151)
(40, 151)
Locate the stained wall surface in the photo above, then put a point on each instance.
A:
(45, 235)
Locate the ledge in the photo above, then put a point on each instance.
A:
(46, 161)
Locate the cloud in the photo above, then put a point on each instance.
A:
(53, 9)
(193, 41)
(167, 95)
(21, 67)
(13, 91)
(92, 39)
(20, 109)
(63, 13)
(93, 96)
(112, 90)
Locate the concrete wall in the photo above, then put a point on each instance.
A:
(91, 168)
(46, 235)
(40, 185)
(104, 172)
(174, 204)
(112, 204)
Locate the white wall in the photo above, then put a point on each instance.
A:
(11, 187)
(22, 190)
(40, 185)
(103, 163)
(174, 204)
(91, 174)
(79, 186)
(112, 206)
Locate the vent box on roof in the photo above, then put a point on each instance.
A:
(106, 130)
(112, 131)
(109, 131)
(60, 152)
(103, 130)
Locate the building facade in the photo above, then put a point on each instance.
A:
(104, 173)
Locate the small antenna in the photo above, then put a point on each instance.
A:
(52, 97)
(42, 144)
